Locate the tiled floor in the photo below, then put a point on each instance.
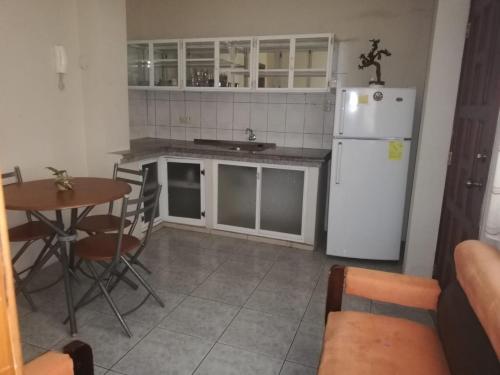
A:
(231, 307)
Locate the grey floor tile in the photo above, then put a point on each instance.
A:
(287, 303)
(307, 345)
(45, 328)
(227, 360)
(30, 352)
(166, 353)
(107, 339)
(290, 368)
(315, 312)
(231, 290)
(200, 317)
(221, 243)
(283, 280)
(99, 370)
(178, 279)
(260, 332)
(254, 268)
(150, 311)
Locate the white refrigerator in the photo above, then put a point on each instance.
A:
(370, 155)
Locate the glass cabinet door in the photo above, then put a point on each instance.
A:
(311, 59)
(200, 63)
(273, 63)
(282, 193)
(237, 195)
(139, 64)
(184, 190)
(234, 63)
(166, 64)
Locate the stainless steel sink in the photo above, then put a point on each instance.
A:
(236, 145)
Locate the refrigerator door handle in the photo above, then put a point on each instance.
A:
(339, 163)
(342, 110)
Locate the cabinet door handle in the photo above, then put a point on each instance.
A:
(338, 163)
(202, 172)
(342, 110)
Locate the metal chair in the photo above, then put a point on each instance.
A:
(108, 222)
(118, 251)
(29, 233)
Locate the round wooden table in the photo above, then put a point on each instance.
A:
(43, 195)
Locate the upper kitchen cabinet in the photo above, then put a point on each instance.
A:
(139, 64)
(295, 63)
(235, 58)
(218, 64)
(300, 63)
(166, 63)
(311, 62)
(274, 63)
(199, 60)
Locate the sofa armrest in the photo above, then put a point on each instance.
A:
(406, 290)
(50, 363)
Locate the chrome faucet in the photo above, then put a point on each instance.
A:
(251, 134)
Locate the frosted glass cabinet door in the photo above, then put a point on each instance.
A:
(281, 200)
(237, 195)
(184, 190)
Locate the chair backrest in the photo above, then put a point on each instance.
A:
(130, 176)
(14, 177)
(148, 201)
(468, 315)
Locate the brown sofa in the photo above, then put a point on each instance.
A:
(466, 339)
(76, 359)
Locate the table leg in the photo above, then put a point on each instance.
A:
(64, 247)
(74, 218)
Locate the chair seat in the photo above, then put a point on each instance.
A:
(101, 223)
(103, 246)
(30, 231)
(368, 344)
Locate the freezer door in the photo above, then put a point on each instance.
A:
(367, 195)
(375, 113)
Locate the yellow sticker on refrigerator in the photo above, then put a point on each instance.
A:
(395, 150)
(363, 99)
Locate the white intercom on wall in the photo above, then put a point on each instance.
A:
(61, 63)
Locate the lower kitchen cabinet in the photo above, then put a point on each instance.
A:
(257, 199)
(260, 199)
(183, 200)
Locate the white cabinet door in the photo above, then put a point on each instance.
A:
(236, 197)
(184, 186)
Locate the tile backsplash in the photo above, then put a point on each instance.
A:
(287, 119)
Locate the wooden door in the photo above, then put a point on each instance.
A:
(10, 348)
(473, 135)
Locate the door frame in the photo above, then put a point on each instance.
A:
(164, 209)
(258, 231)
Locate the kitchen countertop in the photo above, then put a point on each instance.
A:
(145, 148)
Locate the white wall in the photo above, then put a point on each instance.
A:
(74, 128)
(435, 135)
(103, 56)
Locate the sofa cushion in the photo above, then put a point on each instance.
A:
(50, 363)
(478, 272)
(368, 344)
